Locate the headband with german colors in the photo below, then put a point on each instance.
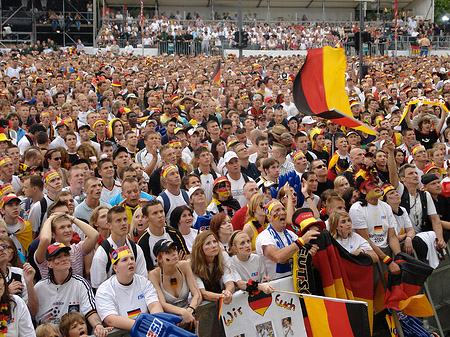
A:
(45, 113)
(49, 176)
(119, 253)
(166, 169)
(386, 188)
(4, 160)
(231, 142)
(97, 122)
(425, 101)
(271, 204)
(175, 142)
(297, 154)
(6, 189)
(416, 148)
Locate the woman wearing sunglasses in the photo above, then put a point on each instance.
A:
(53, 161)
(256, 219)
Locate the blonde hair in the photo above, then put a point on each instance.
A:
(334, 222)
(133, 225)
(253, 206)
(3, 224)
(94, 215)
(46, 329)
(339, 181)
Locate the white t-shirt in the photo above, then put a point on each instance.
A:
(21, 324)
(416, 207)
(113, 298)
(175, 201)
(152, 240)
(189, 239)
(55, 300)
(402, 221)
(377, 219)
(354, 242)
(207, 181)
(237, 189)
(254, 268)
(98, 267)
(266, 239)
(107, 193)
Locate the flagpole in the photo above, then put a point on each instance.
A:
(319, 297)
(142, 26)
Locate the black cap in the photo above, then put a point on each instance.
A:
(84, 126)
(55, 248)
(163, 245)
(118, 150)
(428, 178)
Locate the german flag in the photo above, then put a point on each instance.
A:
(344, 275)
(339, 44)
(330, 317)
(319, 88)
(133, 313)
(402, 289)
(216, 75)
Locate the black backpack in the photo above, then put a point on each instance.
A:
(109, 249)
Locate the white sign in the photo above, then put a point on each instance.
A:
(274, 315)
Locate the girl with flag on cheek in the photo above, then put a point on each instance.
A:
(223, 201)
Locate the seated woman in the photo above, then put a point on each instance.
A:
(223, 201)
(222, 227)
(125, 284)
(174, 281)
(341, 230)
(182, 219)
(247, 265)
(16, 319)
(214, 276)
(256, 219)
(138, 225)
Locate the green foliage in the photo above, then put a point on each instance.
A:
(441, 7)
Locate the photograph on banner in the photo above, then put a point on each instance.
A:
(275, 314)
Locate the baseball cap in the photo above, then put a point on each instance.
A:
(191, 131)
(119, 252)
(3, 138)
(394, 108)
(292, 117)
(118, 150)
(268, 99)
(308, 120)
(194, 189)
(277, 106)
(428, 178)
(55, 248)
(8, 198)
(162, 246)
(229, 155)
(84, 126)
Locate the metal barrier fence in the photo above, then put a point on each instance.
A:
(189, 48)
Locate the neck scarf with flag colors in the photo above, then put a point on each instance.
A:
(281, 267)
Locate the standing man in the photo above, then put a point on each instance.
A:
(247, 167)
(236, 178)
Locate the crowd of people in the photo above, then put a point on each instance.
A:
(147, 179)
(282, 35)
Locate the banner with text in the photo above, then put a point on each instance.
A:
(274, 315)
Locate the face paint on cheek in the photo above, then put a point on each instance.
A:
(167, 260)
(223, 192)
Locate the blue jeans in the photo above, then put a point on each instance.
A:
(424, 51)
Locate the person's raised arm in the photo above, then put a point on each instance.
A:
(289, 203)
(441, 121)
(408, 118)
(151, 166)
(33, 300)
(91, 235)
(45, 238)
(392, 165)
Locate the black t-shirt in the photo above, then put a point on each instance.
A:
(323, 155)
(426, 139)
(324, 186)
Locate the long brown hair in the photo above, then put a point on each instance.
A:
(216, 222)
(199, 265)
(15, 260)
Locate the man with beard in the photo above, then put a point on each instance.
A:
(374, 221)
(277, 245)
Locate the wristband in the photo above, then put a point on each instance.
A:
(190, 307)
(252, 287)
(387, 260)
(300, 243)
(308, 197)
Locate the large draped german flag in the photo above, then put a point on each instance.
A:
(319, 88)
(344, 275)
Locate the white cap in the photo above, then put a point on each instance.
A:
(229, 155)
(308, 120)
(192, 131)
(194, 189)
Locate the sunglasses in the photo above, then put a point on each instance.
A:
(59, 158)
(5, 246)
(319, 167)
(261, 206)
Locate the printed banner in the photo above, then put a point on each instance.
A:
(274, 315)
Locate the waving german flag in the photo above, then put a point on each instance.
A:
(216, 75)
(319, 88)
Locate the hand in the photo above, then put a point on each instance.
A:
(142, 201)
(310, 235)
(313, 250)
(357, 252)
(181, 255)
(227, 296)
(441, 244)
(390, 146)
(266, 288)
(122, 203)
(101, 331)
(187, 317)
(287, 189)
(28, 273)
(153, 149)
(394, 268)
(408, 247)
(305, 188)
(15, 287)
(266, 279)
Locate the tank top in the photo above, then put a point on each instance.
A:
(180, 301)
(257, 228)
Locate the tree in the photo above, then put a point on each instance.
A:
(441, 7)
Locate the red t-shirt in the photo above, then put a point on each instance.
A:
(239, 218)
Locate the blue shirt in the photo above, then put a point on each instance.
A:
(118, 198)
